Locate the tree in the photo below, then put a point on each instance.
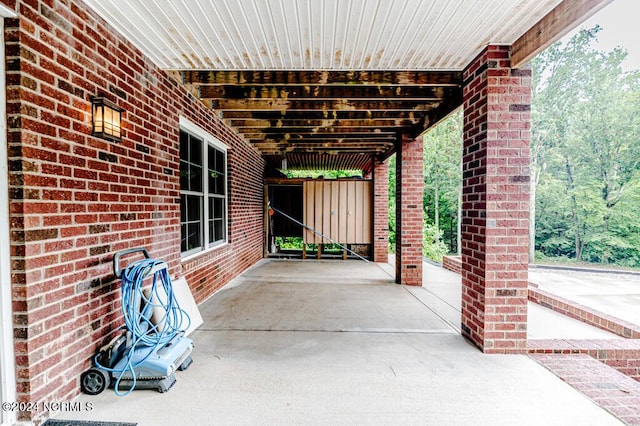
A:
(442, 154)
(443, 177)
(585, 149)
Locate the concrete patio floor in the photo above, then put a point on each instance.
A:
(333, 342)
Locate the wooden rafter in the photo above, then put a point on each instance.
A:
(325, 78)
(412, 93)
(328, 113)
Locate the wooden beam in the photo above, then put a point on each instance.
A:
(562, 19)
(321, 105)
(320, 132)
(335, 78)
(411, 116)
(337, 144)
(318, 92)
(436, 116)
(249, 123)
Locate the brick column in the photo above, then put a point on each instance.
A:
(495, 202)
(380, 211)
(409, 193)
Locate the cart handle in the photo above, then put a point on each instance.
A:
(117, 271)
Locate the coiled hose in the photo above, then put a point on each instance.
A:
(137, 309)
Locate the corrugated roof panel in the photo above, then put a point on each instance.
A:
(319, 34)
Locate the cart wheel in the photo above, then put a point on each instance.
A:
(94, 381)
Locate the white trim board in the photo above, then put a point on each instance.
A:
(7, 356)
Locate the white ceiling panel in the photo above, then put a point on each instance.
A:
(319, 34)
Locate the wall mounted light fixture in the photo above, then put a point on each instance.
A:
(105, 119)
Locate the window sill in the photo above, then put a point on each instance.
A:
(194, 256)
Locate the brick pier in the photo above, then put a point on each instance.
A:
(495, 202)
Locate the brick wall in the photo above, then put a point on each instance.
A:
(452, 263)
(495, 202)
(621, 354)
(380, 211)
(76, 199)
(583, 313)
(409, 193)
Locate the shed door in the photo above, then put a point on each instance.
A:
(339, 210)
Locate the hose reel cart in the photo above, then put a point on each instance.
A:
(153, 346)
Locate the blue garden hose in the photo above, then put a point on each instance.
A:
(137, 310)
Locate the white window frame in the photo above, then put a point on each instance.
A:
(209, 140)
(7, 355)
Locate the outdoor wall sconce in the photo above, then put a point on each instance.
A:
(105, 119)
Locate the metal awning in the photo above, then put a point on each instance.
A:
(328, 83)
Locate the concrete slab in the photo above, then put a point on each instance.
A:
(544, 323)
(307, 378)
(313, 372)
(319, 296)
(442, 290)
(611, 293)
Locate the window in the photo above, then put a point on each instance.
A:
(203, 190)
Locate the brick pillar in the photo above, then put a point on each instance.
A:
(380, 211)
(409, 193)
(495, 202)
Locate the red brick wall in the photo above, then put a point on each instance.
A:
(76, 199)
(409, 193)
(621, 354)
(381, 211)
(452, 263)
(583, 313)
(495, 202)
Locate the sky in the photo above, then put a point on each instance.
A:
(620, 27)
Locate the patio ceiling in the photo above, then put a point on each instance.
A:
(331, 83)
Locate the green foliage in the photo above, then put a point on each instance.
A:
(443, 177)
(432, 245)
(586, 153)
(327, 174)
(289, 243)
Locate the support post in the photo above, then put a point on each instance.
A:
(380, 211)
(409, 194)
(495, 202)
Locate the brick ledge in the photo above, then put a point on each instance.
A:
(583, 313)
(611, 390)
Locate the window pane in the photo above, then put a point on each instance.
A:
(218, 208)
(184, 145)
(219, 162)
(213, 182)
(194, 211)
(183, 208)
(184, 176)
(211, 157)
(194, 239)
(219, 230)
(216, 171)
(220, 184)
(195, 178)
(195, 150)
(211, 232)
(183, 239)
